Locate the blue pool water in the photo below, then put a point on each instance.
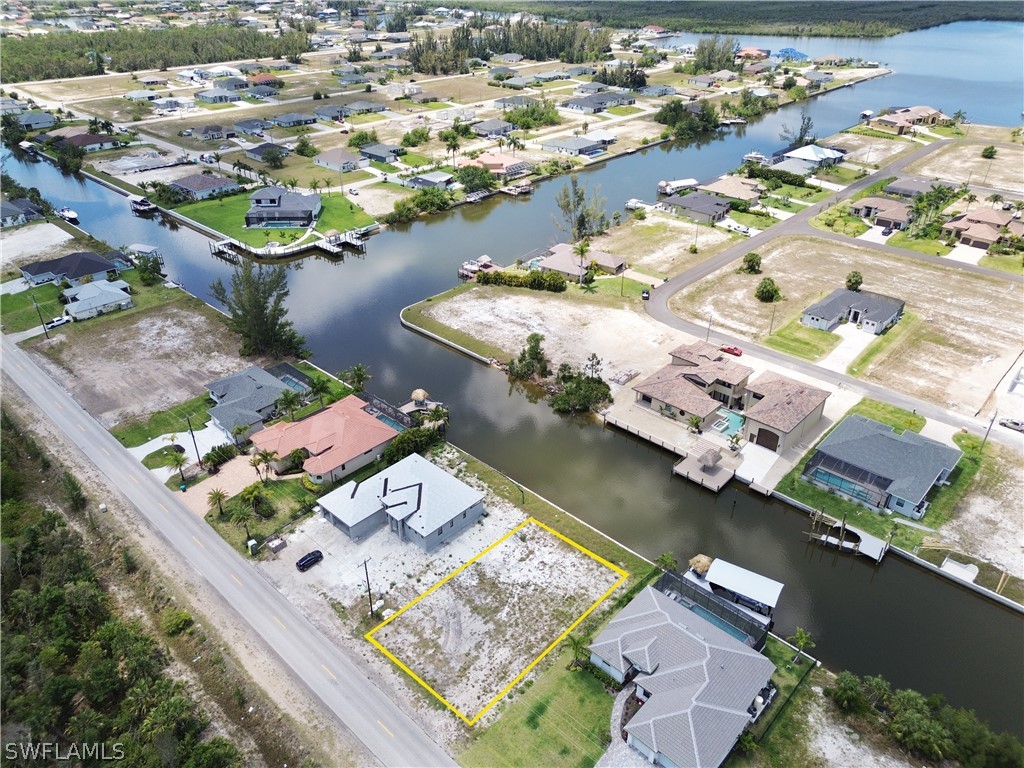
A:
(298, 386)
(728, 422)
(722, 625)
(391, 422)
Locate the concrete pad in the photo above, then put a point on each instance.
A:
(874, 235)
(18, 285)
(757, 463)
(965, 254)
(854, 341)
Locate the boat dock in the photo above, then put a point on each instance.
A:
(476, 197)
(836, 533)
(468, 270)
(702, 466)
(334, 243)
(515, 190)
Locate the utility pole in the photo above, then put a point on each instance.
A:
(41, 321)
(708, 337)
(369, 594)
(771, 325)
(194, 443)
(989, 429)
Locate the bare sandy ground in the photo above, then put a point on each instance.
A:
(839, 746)
(958, 162)
(36, 241)
(870, 150)
(659, 244)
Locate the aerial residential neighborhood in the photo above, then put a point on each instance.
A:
(615, 385)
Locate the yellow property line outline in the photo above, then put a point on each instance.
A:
(623, 575)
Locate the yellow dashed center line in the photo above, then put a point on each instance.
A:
(197, 541)
(389, 733)
(239, 583)
(280, 623)
(325, 669)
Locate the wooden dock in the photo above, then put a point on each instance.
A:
(846, 538)
(517, 189)
(702, 466)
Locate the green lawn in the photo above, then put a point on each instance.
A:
(841, 175)
(215, 107)
(836, 220)
(882, 344)
(138, 431)
(927, 246)
(624, 111)
(756, 220)
(341, 214)
(898, 418)
(161, 457)
(1013, 264)
(415, 160)
(561, 720)
(370, 117)
(284, 501)
(17, 312)
(805, 194)
(787, 677)
(384, 167)
(777, 202)
(861, 130)
(795, 338)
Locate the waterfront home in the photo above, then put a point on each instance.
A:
(31, 211)
(244, 400)
(334, 442)
(816, 78)
(697, 686)
(883, 211)
(903, 120)
(700, 380)
(571, 145)
(418, 501)
(498, 163)
(818, 157)
(872, 312)
(341, 160)
(492, 128)
(90, 142)
(600, 135)
(870, 464)
(258, 152)
(734, 188)
(34, 121)
(434, 179)
(698, 206)
(11, 215)
(200, 186)
(292, 119)
(982, 227)
(382, 153)
(563, 259)
(781, 413)
(76, 268)
(96, 298)
(751, 593)
(277, 207)
(218, 96)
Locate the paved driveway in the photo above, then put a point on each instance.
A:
(854, 341)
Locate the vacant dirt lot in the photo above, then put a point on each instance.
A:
(659, 245)
(956, 163)
(31, 243)
(966, 334)
(473, 635)
(135, 366)
(870, 150)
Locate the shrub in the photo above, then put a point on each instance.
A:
(752, 263)
(174, 621)
(414, 440)
(219, 455)
(767, 291)
(73, 492)
(989, 152)
(534, 280)
(847, 694)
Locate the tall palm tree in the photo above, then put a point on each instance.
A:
(439, 417)
(254, 496)
(995, 199)
(239, 430)
(216, 159)
(801, 639)
(581, 249)
(452, 144)
(667, 561)
(357, 376)
(958, 117)
(319, 387)
(256, 462)
(266, 458)
(178, 461)
(971, 198)
(501, 143)
(514, 143)
(241, 515)
(314, 185)
(216, 498)
(288, 401)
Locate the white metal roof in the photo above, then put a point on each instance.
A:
(744, 582)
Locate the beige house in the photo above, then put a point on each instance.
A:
(734, 187)
(781, 412)
(983, 227)
(900, 121)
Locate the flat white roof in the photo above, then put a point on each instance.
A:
(743, 582)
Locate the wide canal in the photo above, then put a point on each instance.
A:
(895, 619)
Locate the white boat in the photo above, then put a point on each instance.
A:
(671, 187)
(67, 214)
(756, 157)
(140, 204)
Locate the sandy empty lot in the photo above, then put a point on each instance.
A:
(660, 244)
(959, 162)
(474, 634)
(870, 150)
(141, 364)
(965, 334)
(33, 242)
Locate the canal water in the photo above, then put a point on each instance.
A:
(895, 619)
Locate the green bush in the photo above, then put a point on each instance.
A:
(414, 440)
(534, 280)
(767, 291)
(220, 455)
(174, 621)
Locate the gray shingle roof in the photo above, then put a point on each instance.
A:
(699, 202)
(702, 681)
(72, 266)
(873, 306)
(909, 462)
(242, 396)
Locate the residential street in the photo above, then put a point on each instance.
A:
(377, 722)
(797, 225)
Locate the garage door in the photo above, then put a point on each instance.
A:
(768, 439)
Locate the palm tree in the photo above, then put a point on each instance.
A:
(178, 461)
(357, 376)
(318, 387)
(291, 183)
(297, 457)
(241, 515)
(581, 249)
(216, 498)
(438, 415)
(958, 117)
(971, 198)
(253, 496)
(314, 185)
(256, 462)
(579, 649)
(216, 159)
(667, 561)
(239, 430)
(288, 401)
(995, 199)
(801, 639)
(514, 143)
(501, 143)
(266, 458)
(452, 145)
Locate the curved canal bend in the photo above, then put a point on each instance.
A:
(896, 620)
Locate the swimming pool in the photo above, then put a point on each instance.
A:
(398, 427)
(728, 422)
(298, 386)
(722, 625)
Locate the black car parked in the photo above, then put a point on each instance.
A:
(310, 559)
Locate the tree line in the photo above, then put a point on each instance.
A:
(75, 673)
(75, 54)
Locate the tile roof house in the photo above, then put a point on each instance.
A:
(867, 462)
(884, 211)
(341, 160)
(700, 379)
(277, 207)
(74, 268)
(498, 163)
(200, 186)
(982, 227)
(698, 206)
(97, 298)
(903, 119)
(563, 259)
(734, 187)
(697, 683)
(781, 412)
(872, 312)
(336, 441)
(418, 500)
(244, 399)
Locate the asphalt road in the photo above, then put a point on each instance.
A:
(657, 307)
(377, 722)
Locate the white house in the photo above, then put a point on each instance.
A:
(97, 298)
